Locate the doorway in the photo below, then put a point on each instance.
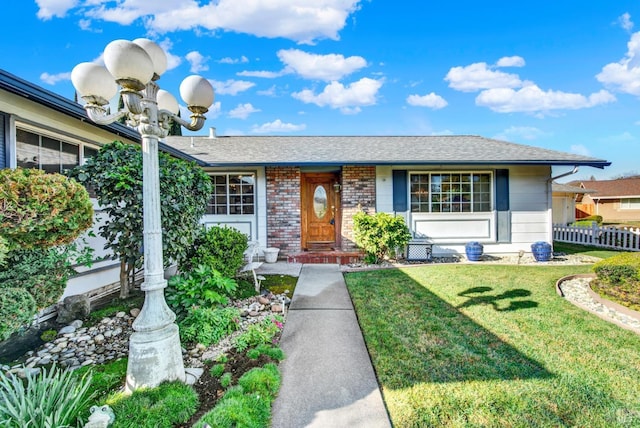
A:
(320, 211)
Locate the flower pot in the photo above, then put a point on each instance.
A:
(271, 254)
(541, 251)
(474, 251)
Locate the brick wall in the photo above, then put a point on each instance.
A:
(283, 209)
(358, 192)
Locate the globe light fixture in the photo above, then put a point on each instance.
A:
(155, 354)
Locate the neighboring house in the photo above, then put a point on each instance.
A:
(564, 202)
(300, 193)
(617, 201)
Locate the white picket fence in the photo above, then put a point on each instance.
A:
(627, 239)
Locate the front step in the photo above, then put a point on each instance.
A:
(326, 257)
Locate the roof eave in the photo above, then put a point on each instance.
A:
(596, 164)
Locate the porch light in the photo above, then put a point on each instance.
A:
(155, 354)
(336, 187)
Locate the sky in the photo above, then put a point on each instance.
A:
(562, 75)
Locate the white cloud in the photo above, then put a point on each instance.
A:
(517, 133)
(348, 99)
(172, 60)
(262, 74)
(321, 67)
(580, 149)
(430, 100)
(242, 111)
(197, 61)
(624, 75)
(625, 22)
(228, 60)
(511, 61)
(271, 92)
(52, 79)
(299, 20)
(277, 126)
(231, 87)
(54, 8)
(533, 99)
(479, 76)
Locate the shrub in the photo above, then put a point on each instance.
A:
(204, 286)
(237, 409)
(43, 272)
(51, 399)
(225, 380)
(261, 333)
(264, 381)
(164, 406)
(272, 352)
(583, 223)
(216, 370)
(618, 269)
(17, 309)
(208, 325)
(42, 210)
(221, 248)
(380, 234)
(597, 218)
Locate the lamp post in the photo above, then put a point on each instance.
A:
(155, 354)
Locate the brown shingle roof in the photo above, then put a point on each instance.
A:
(378, 150)
(613, 189)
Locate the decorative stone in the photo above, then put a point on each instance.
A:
(73, 308)
(76, 323)
(120, 314)
(98, 338)
(67, 330)
(134, 312)
(276, 307)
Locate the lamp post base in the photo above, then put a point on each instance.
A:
(154, 357)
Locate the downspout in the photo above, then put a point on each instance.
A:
(550, 198)
(575, 169)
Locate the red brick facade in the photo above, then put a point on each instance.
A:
(358, 192)
(283, 208)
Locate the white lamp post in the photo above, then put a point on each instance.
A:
(155, 354)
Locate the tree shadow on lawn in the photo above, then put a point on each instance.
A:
(495, 300)
(415, 336)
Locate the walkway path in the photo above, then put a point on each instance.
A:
(327, 376)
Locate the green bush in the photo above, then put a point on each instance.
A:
(261, 333)
(379, 235)
(583, 223)
(167, 405)
(237, 409)
(272, 352)
(597, 218)
(216, 370)
(51, 399)
(204, 286)
(208, 325)
(264, 381)
(221, 248)
(41, 271)
(17, 309)
(618, 269)
(42, 210)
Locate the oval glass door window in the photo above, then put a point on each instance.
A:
(320, 201)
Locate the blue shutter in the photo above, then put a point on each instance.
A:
(4, 140)
(502, 206)
(400, 190)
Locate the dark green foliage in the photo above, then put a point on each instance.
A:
(618, 269)
(48, 335)
(264, 381)
(115, 174)
(272, 352)
(221, 248)
(42, 272)
(42, 210)
(208, 325)
(17, 308)
(225, 380)
(379, 235)
(619, 279)
(597, 218)
(216, 370)
(261, 333)
(202, 286)
(168, 404)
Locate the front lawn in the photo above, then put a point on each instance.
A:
(493, 346)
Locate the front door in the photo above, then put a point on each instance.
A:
(319, 210)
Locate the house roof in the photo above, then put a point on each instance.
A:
(613, 189)
(369, 150)
(568, 188)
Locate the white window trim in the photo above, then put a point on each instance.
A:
(630, 204)
(255, 192)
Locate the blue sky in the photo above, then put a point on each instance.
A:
(560, 75)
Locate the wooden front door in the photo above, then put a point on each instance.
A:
(320, 211)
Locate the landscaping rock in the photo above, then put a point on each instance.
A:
(73, 308)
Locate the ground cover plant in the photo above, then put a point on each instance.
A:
(494, 345)
(618, 279)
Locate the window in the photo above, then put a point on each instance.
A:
(630, 204)
(45, 153)
(233, 194)
(450, 192)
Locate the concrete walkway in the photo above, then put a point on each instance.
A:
(327, 376)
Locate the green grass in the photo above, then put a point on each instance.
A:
(494, 346)
(568, 248)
